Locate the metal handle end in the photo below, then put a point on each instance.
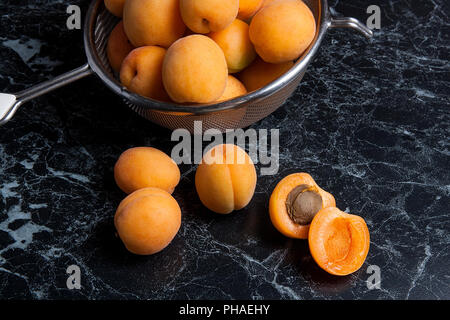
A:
(348, 22)
(8, 106)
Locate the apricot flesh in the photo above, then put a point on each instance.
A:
(115, 7)
(226, 179)
(236, 45)
(204, 16)
(247, 8)
(260, 73)
(147, 221)
(280, 216)
(118, 47)
(234, 89)
(153, 22)
(282, 30)
(195, 70)
(339, 242)
(141, 72)
(144, 167)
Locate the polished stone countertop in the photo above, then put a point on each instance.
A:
(370, 122)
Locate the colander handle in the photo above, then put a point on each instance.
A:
(348, 22)
(10, 103)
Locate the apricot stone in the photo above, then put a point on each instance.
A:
(204, 16)
(118, 47)
(141, 72)
(234, 89)
(115, 7)
(282, 30)
(153, 22)
(195, 70)
(226, 179)
(236, 45)
(248, 8)
(145, 167)
(147, 221)
(260, 73)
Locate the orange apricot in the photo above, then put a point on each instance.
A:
(339, 242)
(236, 45)
(247, 8)
(260, 73)
(226, 179)
(204, 16)
(144, 167)
(294, 202)
(115, 7)
(147, 221)
(153, 22)
(118, 47)
(141, 72)
(234, 89)
(195, 70)
(282, 30)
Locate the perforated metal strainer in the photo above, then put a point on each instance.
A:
(237, 113)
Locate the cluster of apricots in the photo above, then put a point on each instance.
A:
(206, 51)
(149, 218)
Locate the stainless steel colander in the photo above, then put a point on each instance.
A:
(237, 113)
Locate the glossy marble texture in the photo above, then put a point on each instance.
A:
(370, 122)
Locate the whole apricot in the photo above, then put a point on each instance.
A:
(226, 179)
(141, 72)
(235, 43)
(144, 167)
(153, 22)
(248, 8)
(118, 47)
(282, 30)
(147, 221)
(115, 7)
(260, 73)
(234, 89)
(204, 16)
(195, 70)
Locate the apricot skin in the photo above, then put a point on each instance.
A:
(147, 221)
(260, 73)
(115, 7)
(268, 30)
(195, 70)
(247, 8)
(234, 89)
(141, 72)
(118, 47)
(153, 22)
(204, 16)
(144, 167)
(236, 45)
(226, 179)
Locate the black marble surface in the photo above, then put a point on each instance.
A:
(370, 122)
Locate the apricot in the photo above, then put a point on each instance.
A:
(260, 73)
(147, 221)
(234, 89)
(236, 45)
(153, 22)
(141, 72)
(204, 16)
(115, 7)
(226, 179)
(118, 47)
(144, 167)
(195, 70)
(294, 202)
(247, 8)
(282, 30)
(339, 242)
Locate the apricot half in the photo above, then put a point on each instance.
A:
(339, 242)
(282, 30)
(226, 179)
(294, 202)
(144, 167)
(147, 220)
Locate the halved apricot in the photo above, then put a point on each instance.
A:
(294, 202)
(339, 242)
